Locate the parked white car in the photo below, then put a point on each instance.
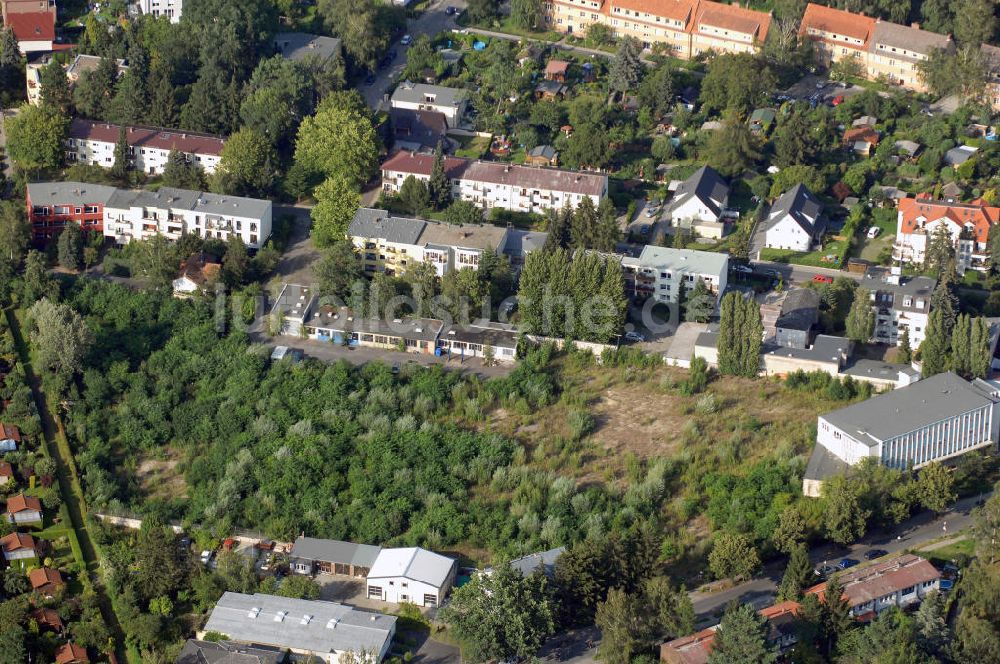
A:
(873, 232)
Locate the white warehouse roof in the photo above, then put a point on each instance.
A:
(412, 563)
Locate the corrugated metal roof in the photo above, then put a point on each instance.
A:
(335, 551)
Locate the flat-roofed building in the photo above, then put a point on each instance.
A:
(658, 272)
(935, 419)
(306, 627)
(53, 205)
(451, 102)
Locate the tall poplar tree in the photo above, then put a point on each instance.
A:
(439, 186)
(979, 349)
(861, 317)
(934, 349)
(960, 344)
(121, 167)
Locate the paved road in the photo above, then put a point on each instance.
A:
(913, 533)
(801, 274)
(430, 23)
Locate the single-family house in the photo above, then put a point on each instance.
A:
(325, 630)
(865, 121)
(411, 574)
(47, 618)
(542, 155)
(520, 243)
(6, 473)
(302, 46)
(10, 437)
(959, 155)
(896, 582)
(196, 272)
(761, 120)
(35, 31)
(556, 70)
(18, 546)
(71, 653)
(862, 140)
(699, 203)
(46, 581)
(795, 220)
(907, 148)
(312, 555)
(24, 509)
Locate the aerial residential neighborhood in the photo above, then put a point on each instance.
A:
(566, 331)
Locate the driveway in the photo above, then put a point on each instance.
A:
(296, 264)
(432, 21)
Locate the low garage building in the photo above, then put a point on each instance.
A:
(411, 575)
(311, 555)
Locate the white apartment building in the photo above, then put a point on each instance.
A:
(171, 9)
(94, 143)
(451, 102)
(139, 214)
(498, 185)
(900, 302)
(931, 420)
(658, 272)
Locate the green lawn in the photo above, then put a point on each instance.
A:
(507, 26)
(810, 258)
(946, 554)
(472, 147)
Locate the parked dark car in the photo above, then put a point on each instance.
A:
(824, 572)
(846, 563)
(872, 554)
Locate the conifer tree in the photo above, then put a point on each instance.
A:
(122, 166)
(439, 186)
(742, 638)
(584, 228)
(753, 338)
(934, 349)
(798, 574)
(979, 349)
(861, 318)
(905, 351)
(560, 229)
(607, 233)
(960, 345)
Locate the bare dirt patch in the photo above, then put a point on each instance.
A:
(159, 478)
(631, 418)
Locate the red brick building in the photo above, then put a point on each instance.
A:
(53, 205)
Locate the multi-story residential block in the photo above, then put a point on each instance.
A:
(83, 63)
(901, 582)
(659, 272)
(896, 50)
(74, 70)
(324, 630)
(836, 34)
(393, 244)
(687, 27)
(137, 214)
(794, 221)
(53, 205)
(696, 648)
(900, 303)
(94, 143)
(172, 9)
(934, 419)
(728, 29)
(968, 225)
(498, 185)
(27, 7)
(422, 97)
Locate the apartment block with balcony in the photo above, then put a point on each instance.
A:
(140, 214)
(659, 272)
(896, 50)
(94, 143)
(51, 206)
(900, 303)
(968, 224)
(498, 185)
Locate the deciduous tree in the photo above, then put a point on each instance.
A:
(336, 202)
(861, 317)
(733, 555)
(742, 638)
(339, 140)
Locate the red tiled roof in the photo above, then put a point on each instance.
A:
(10, 431)
(422, 164)
(149, 137)
(678, 10)
(43, 576)
(16, 542)
(32, 26)
(71, 653)
(737, 19)
(695, 648)
(977, 213)
(47, 618)
(21, 502)
(556, 67)
(866, 134)
(869, 583)
(838, 22)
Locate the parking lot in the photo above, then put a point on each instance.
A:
(820, 89)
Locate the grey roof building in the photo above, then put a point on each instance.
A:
(227, 652)
(307, 627)
(903, 40)
(310, 554)
(706, 187)
(68, 193)
(959, 155)
(301, 45)
(544, 560)
(373, 223)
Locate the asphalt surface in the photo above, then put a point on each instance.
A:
(430, 23)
